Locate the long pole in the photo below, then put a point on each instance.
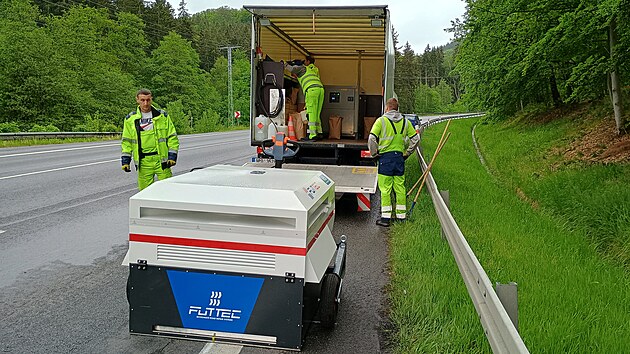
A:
(230, 98)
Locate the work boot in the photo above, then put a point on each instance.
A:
(383, 222)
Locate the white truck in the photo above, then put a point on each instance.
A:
(353, 47)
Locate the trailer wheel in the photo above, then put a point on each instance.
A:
(128, 287)
(328, 306)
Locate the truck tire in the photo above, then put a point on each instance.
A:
(328, 306)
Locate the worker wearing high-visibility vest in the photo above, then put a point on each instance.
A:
(149, 137)
(308, 77)
(392, 139)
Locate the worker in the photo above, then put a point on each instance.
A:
(149, 137)
(308, 77)
(392, 140)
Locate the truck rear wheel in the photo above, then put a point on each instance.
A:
(328, 305)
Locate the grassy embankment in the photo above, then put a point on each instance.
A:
(557, 229)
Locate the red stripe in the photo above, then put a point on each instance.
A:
(365, 200)
(237, 246)
(310, 244)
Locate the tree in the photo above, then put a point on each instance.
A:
(406, 76)
(218, 28)
(176, 74)
(515, 53)
(35, 87)
(87, 43)
(159, 18)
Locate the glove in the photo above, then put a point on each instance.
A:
(168, 164)
(172, 159)
(126, 161)
(405, 157)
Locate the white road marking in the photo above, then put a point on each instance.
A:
(58, 150)
(92, 163)
(88, 147)
(2, 231)
(57, 169)
(215, 348)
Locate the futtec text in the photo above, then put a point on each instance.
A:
(210, 313)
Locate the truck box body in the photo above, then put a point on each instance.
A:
(353, 49)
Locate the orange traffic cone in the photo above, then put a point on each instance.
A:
(292, 135)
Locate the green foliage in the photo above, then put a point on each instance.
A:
(10, 127)
(176, 73)
(180, 119)
(96, 123)
(44, 128)
(209, 122)
(515, 53)
(426, 100)
(217, 28)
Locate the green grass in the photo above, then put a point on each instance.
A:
(571, 298)
(31, 142)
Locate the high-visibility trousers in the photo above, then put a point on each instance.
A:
(387, 184)
(151, 166)
(314, 100)
(391, 177)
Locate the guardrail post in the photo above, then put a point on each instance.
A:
(508, 294)
(446, 197)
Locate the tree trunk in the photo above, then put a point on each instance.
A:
(615, 87)
(555, 93)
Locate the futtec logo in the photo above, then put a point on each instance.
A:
(213, 311)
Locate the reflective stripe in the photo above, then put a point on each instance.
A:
(401, 216)
(401, 207)
(133, 141)
(172, 151)
(161, 140)
(310, 78)
(386, 215)
(126, 154)
(386, 208)
(170, 136)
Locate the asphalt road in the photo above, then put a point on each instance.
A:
(63, 235)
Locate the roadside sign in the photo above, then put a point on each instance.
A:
(237, 114)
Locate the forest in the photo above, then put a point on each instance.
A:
(75, 65)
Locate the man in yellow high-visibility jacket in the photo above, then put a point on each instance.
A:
(308, 77)
(392, 139)
(149, 137)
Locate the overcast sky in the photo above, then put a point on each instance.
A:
(419, 22)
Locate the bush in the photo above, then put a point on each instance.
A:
(10, 127)
(180, 119)
(44, 128)
(209, 122)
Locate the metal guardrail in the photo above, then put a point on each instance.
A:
(498, 327)
(55, 135)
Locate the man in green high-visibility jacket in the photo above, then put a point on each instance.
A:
(392, 139)
(308, 77)
(150, 139)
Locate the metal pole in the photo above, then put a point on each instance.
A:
(230, 98)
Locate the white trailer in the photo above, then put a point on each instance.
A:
(241, 255)
(354, 50)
